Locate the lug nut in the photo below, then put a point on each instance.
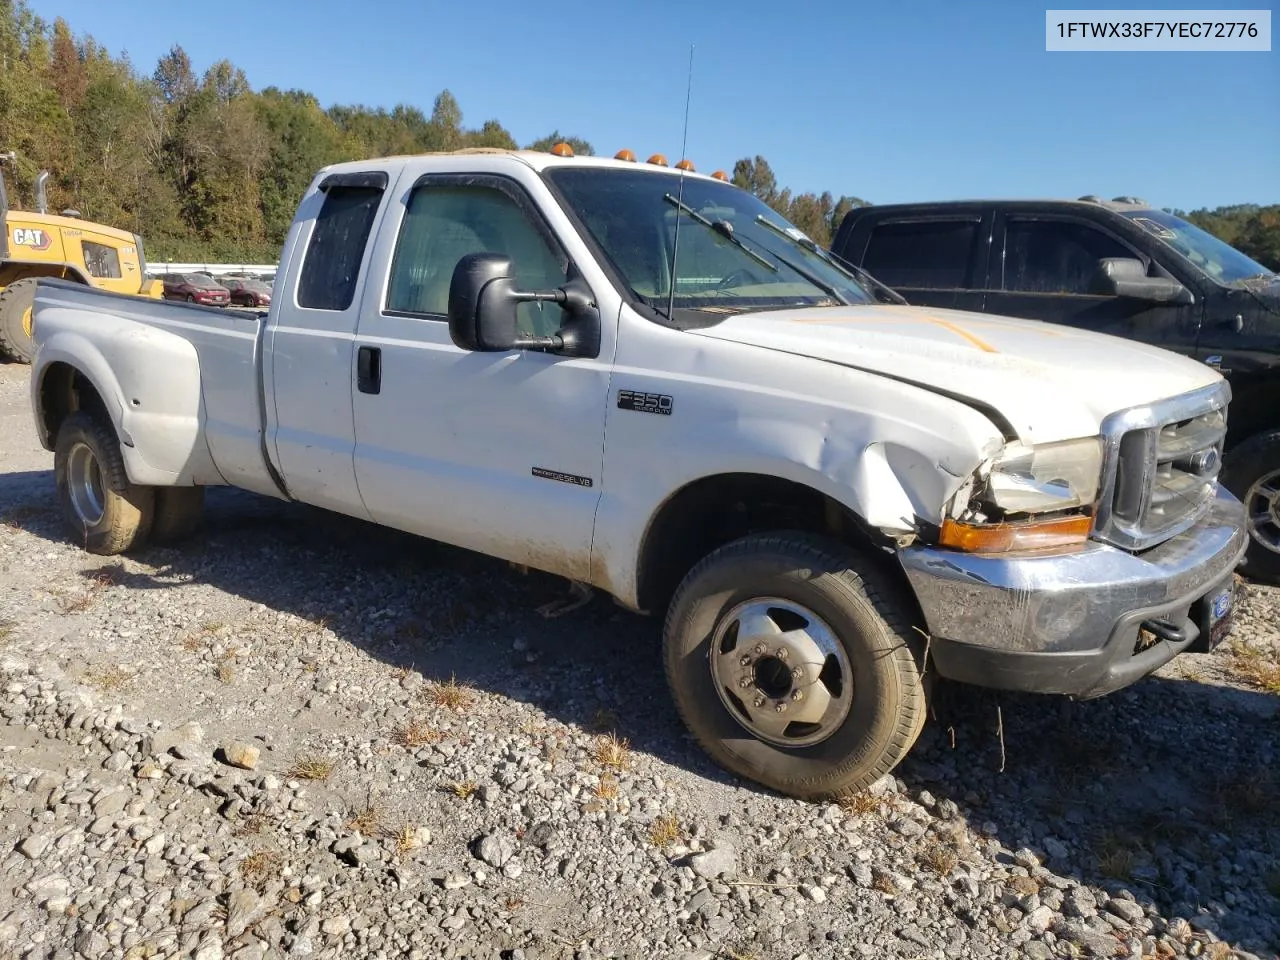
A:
(797, 674)
(744, 682)
(761, 648)
(780, 707)
(759, 701)
(782, 653)
(745, 660)
(797, 695)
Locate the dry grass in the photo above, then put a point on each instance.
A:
(309, 767)
(607, 788)
(463, 789)
(416, 734)
(260, 867)
(884, 883)
(939, 858)
(664, 832)
(1245, 796)
(407, 840)
(1115, 855)
(451, 695)
(1255, 668)
(613, 752)
(861, 804)
(6, 628)
(108, 679)
(368, 821)
(226, 669)
(252, 825)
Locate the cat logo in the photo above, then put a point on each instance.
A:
(32, 237)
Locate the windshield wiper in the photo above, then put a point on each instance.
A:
(856, 272)
(722, 228)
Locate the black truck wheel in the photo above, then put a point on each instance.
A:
(1251, 471)
(794, 664)
(104, 512)
(16, 301)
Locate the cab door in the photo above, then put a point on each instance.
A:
(1042, 268)
(500, 453)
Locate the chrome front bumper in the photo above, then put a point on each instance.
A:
(1070, 623)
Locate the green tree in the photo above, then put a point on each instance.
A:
(580, 147)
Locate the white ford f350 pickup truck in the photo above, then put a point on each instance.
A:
(820, 490)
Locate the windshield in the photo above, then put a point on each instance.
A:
(728, 259)
(1221, 261)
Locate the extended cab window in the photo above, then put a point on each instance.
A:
(1055, 256)
(101, 260)
(336, 248)
(925, 255)
(446, 221)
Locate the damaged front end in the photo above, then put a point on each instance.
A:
(1027, 498)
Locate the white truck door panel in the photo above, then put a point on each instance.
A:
(311, 356)
(496, 452)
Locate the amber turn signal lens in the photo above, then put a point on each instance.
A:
(562, 150)
(658, 159)
(1008, 537)
(685, 165)
(625, 155)
(720, 175)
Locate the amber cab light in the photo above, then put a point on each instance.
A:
(625, 155)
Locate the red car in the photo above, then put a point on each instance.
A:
(247, 291)
(195, 288)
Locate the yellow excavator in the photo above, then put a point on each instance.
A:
(38, 244)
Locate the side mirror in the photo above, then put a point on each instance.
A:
(1127, 277)
(482, 310)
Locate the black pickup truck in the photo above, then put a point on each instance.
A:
(1121, 267)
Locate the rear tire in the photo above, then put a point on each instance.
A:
(858, 714)
(1251, 471)
(178, 513)
(104, 512)
(16, 302)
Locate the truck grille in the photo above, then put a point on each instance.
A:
(1160, 472)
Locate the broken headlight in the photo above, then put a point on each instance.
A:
(1045, 477)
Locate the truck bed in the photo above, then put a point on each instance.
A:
(181, 382)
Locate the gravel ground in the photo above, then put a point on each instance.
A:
(300, 735)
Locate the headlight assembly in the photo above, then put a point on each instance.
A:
(1004, 506)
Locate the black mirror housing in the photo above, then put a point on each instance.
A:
(482, 305)
(1127, 277)
(482, 310)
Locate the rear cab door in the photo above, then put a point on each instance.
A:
(933, 257)
(310, 355)
(1042, 267)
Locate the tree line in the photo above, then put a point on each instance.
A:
(205, 168)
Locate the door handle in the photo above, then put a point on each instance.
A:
(369, 370)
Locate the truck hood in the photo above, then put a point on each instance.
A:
(1050, 382)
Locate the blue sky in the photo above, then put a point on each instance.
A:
(908, 101)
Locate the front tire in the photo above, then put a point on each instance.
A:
(104, 512)
(1252, 473)
(769, 616)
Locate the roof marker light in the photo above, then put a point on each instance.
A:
(720, 175)
(625, 155)
(657, 159)
(685, 165)
(562, 149)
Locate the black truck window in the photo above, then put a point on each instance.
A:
(1055, 256)
(336, 248)
(923, 254)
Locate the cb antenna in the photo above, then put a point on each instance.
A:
(684, 146)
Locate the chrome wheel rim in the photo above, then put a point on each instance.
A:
(781, 672)
(84, 483)
(1262, 504)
